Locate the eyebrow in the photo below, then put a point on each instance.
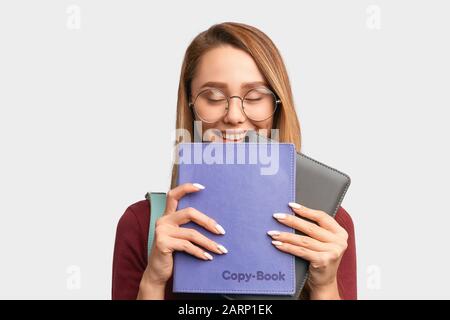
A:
(224, 85)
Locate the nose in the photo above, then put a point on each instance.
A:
(234, 114)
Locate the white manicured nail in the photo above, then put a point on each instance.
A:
(277, 243)
(220, 229)
(198, 185)
(294, 205)
(210, 257)
(279, 215)
(222, 248)
(273, 233)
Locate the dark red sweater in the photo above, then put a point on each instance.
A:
(130, 254)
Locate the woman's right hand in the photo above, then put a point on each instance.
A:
(170, 236)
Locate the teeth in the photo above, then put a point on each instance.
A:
(238, 136)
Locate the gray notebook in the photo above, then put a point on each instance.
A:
(318, 186)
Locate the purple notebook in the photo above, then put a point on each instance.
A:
(245, 184)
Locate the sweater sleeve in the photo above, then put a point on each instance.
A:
(129, 259)
(346, 274)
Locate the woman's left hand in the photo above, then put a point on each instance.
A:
(323, 245)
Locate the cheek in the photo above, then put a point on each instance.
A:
(209, 130)
(207, 126)
(267, 125)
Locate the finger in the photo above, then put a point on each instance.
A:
(297, 251)
(308, 228)
(317, 259)
(322, 218)
(188, 247)
(196, 237)
(175, 194)
(191, 214)
(298, 240)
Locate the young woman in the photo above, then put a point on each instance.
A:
(225, 69)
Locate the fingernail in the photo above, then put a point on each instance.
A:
(279, 215)
(294, 205)
(273, 233)
(277, 243)
(198, 185)
(220, 229)
(222, 248)
(208, 255)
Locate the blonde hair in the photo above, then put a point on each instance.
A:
(269, 62)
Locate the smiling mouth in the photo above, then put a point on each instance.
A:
(234, 136)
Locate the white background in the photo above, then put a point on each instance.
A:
(87, 113)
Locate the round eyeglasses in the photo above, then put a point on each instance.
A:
(258, 104)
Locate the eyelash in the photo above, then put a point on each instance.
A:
(225, 90)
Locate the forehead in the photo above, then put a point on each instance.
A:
(226, 64)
